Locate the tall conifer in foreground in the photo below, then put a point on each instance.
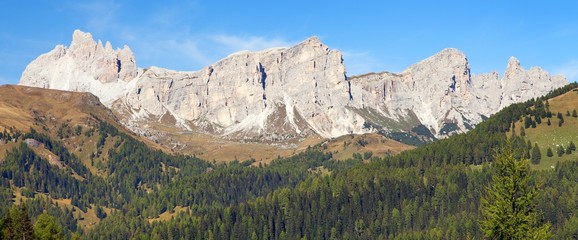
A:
(508, 208)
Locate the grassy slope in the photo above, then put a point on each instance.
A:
(215, 148)
(553, 135)
(344, 147)
(46, 110)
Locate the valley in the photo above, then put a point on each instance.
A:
(133, 188)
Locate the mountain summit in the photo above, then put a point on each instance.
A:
(280, 94)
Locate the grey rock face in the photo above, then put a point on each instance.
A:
(441, 91)
(86, 66)
(283, 93)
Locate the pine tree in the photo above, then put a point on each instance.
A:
(574, 114)
(528, 152)
(527, 122)
(513, 128)
(536, 154)
(46, 227)
(560, 151)
(20, 226)
(508, 207)
(572, 146)
(100, 213)
(549, 152)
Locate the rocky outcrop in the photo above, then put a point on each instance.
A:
(86, 66)
(521, 85)
(283, 93)
(276, 93)
(444, 96)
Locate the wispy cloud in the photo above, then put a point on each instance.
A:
(570, 70)
(179, 52)
(191, 51)
(100, 15)
(360, 62)
(252, 43)
(174, 15)
(4, 80)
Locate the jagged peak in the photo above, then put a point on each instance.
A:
(450, 52)
(108, 47)
(513, 67)
(447, 56)
(513, 61)
(80, 37)
(126, 48)
(313, 40)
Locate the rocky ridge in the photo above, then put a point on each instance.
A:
(289, 93)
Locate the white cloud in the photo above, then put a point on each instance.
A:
(252, 43)
(4, 80)
(189, 51)
(179, 52)
(570, 70)
(100, 15)
(361, 62)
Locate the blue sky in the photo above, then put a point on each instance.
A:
(374, 36)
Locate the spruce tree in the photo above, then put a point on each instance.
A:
(508, 208)
(549, 152)
(46, 227)
(572, 146)
(20, 224)
(528, 152)
(574, 114)
(560, 151)
(536, 154)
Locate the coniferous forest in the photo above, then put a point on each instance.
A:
(437, 191)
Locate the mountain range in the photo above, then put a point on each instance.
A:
(285, 95)
(125, 152)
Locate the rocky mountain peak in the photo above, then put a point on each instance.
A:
(448, 56)
(513, 62)
(314, 41)
(513, 66)
(451, 52)
(86, 66)
(80, 39)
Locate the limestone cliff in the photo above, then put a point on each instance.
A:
(86, 66)
(285, 93)
(443, 94)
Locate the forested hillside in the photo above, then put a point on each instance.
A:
(431, 192)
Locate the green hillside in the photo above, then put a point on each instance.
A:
(555, 135)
